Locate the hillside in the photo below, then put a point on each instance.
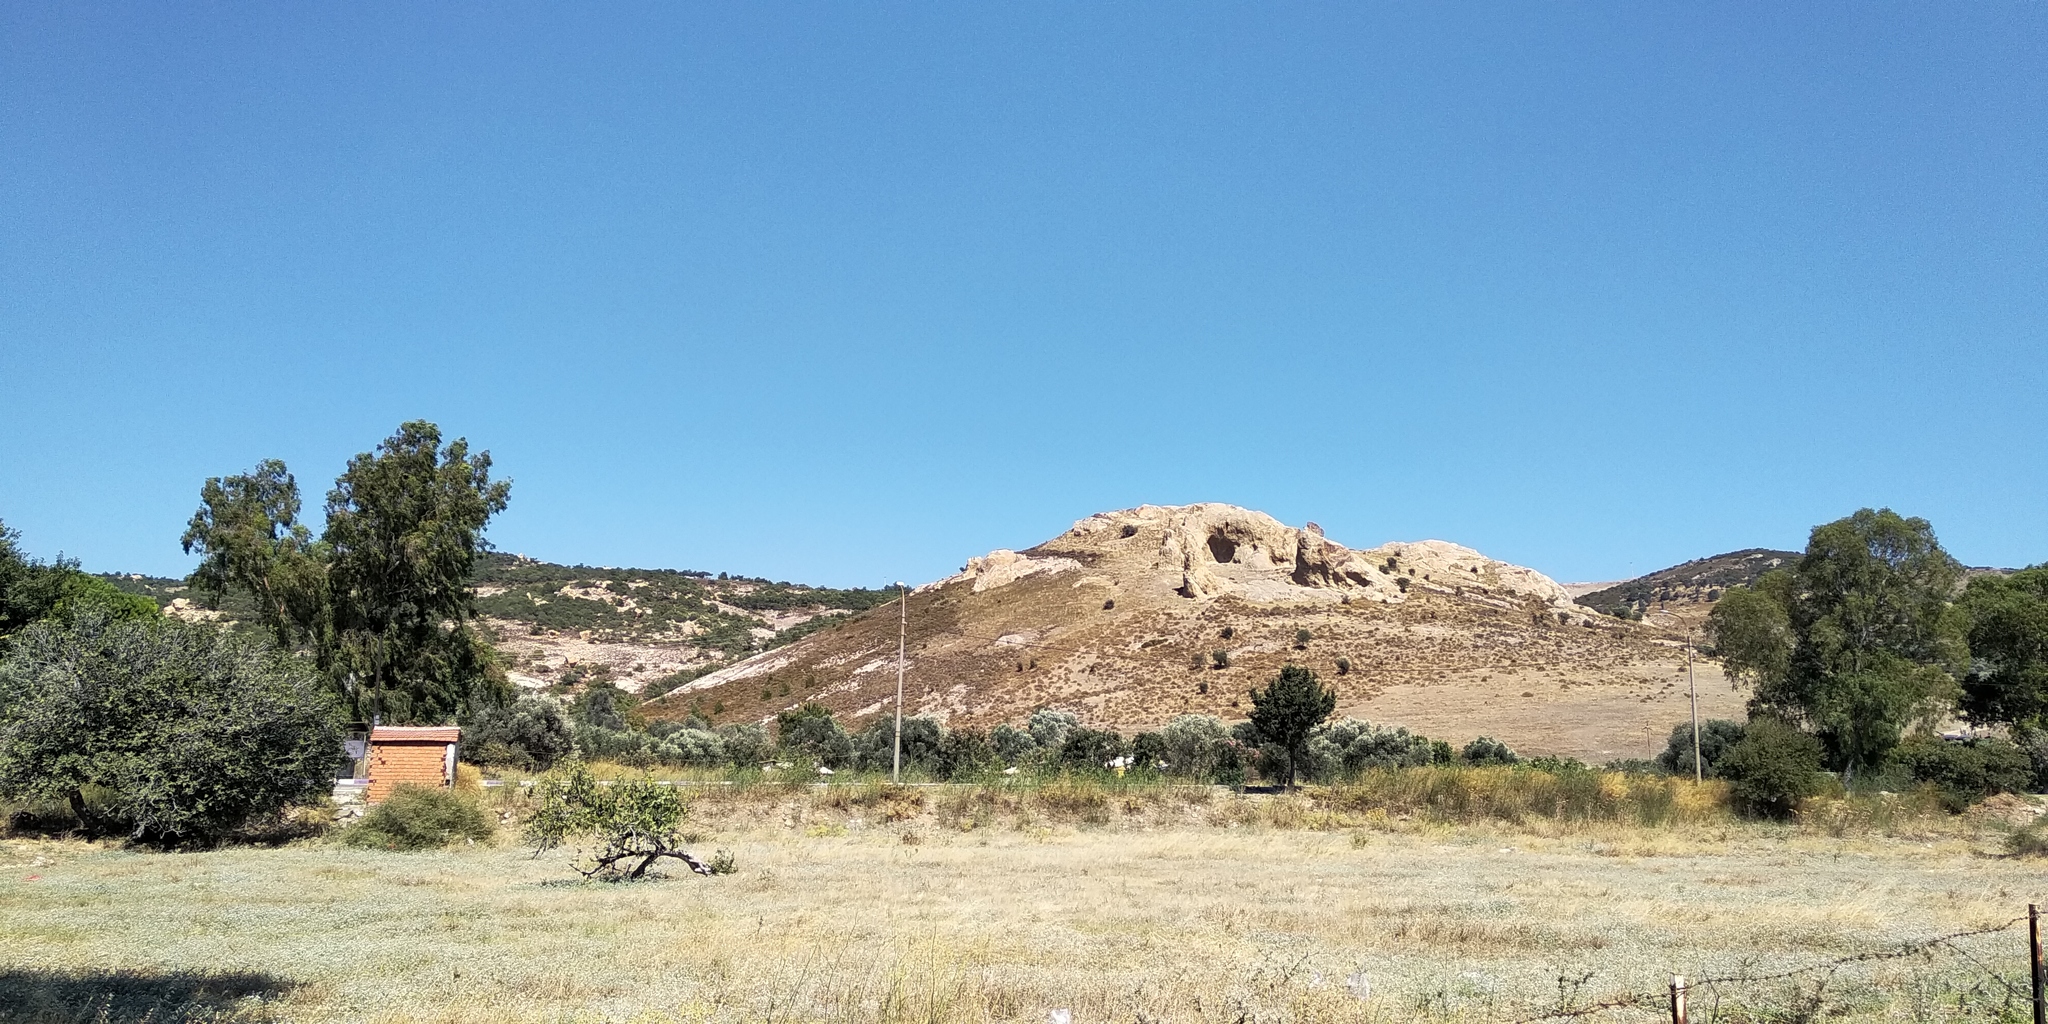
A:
(1699, 581)
(637, 626)
(1123, 618)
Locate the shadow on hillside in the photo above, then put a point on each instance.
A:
(30, 996)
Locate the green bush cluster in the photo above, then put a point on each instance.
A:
(180, 734)
(1785, 765)
(420, 818)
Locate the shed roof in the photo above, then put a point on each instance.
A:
(415, 734)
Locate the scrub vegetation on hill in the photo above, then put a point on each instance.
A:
(656, 605)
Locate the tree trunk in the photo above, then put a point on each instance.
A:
(76, 798)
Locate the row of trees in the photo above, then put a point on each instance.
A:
(1873, 636)
(381, 601)
(1288, 737)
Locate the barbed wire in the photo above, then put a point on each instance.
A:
(1920, 947)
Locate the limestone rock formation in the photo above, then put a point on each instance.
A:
(1120, 619)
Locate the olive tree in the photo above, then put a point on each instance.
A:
(629, 825)
(189, 730)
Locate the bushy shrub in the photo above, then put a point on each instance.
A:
(1049, 728)
(1012, 744)
(1458, 793)
(420, 818)
(1351, 746)
(1086, 748)
(1487, 751)
(963, 752)
(1193, 745)
(628, 821)
(810, 733)
(1772, 768)
(1148, 751)
(530, 735)
(745, 743)
(189, 730)
(1717, 737)
(874, 749)
(605, 706)
(1965, 772)
(677, 746)
(2030, 841)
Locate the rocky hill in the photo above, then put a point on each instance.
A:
(1135, 616)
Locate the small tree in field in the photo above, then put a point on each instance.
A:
(627, 821)
(1288, 709)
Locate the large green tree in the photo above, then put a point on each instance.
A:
(32, 591)
(2008, 679)
(247, 529)
(1289, 709)
(1858, 641)
(185, 731)
(383, 598)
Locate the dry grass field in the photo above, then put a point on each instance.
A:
(863, 904)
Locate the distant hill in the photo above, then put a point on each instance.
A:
(1700, 581)
(632, 625)
(1135, 616)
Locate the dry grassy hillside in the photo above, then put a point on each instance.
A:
(1121, 619)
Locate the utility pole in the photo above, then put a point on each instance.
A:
(902, 635)
(1693, 687)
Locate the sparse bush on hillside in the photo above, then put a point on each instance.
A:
(1220, 658)
(420, 818)
(1343, 666)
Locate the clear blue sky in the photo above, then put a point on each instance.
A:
(848, 293)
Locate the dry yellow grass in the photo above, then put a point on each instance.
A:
(867, 904)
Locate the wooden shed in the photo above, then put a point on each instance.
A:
(420, 755)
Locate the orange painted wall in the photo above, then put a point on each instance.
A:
(393, 763)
